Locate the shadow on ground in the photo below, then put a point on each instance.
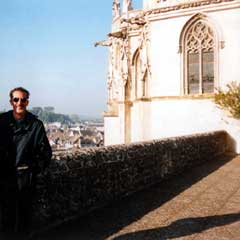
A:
(182, 227)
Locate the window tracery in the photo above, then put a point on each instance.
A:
(199, 58)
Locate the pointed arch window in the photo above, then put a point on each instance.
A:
(199, 51)
(140, 88)
(139, 75)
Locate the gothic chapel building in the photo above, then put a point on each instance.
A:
(166, 62)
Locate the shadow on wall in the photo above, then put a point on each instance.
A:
(183, 227)
(231, 143)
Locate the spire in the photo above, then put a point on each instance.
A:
(127, 6)
(115, 9)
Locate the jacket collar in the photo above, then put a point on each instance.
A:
(26, 121)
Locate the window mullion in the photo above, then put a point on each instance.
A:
(186, 84)
(200, 71)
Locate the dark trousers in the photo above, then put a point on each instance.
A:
(15, 207)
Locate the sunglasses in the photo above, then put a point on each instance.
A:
(22, 100)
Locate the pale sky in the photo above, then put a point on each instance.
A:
(47, 46)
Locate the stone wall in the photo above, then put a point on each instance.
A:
(78, 183)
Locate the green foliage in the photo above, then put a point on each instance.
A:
(75, 118)
(230, 99)
(36, 110)
(49, 109)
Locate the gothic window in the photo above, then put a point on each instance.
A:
(137, 75)
(199, 48)
(140, 76)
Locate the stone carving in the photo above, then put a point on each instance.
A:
(116, 9)
(222, 44)
(119, 34)
(108, 43)
(119, 61)
(124, 61)
(185, 5)
(115, 89)
(127, 6)
(199, 37)
(138, 20)
(105, 43)
(112, 88)
(118, 68)
(114, 71)
(144, 54)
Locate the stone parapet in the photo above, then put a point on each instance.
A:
(75, 184)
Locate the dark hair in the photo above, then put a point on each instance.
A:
(21, 89)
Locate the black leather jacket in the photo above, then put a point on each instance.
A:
(22, 143)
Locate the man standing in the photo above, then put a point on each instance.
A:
(24, 153)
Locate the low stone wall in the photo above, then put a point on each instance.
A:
(91, 178)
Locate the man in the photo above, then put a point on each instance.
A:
(24, 153)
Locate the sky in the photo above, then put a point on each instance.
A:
(47, 47)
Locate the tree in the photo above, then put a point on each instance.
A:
(75, 118)
(48, 116)
(49, 109)
(230, 99)
(36, 110)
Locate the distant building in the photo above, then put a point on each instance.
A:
(166, 62)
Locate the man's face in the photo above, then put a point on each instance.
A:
(19, 102)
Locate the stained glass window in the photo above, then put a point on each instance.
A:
(199, 51)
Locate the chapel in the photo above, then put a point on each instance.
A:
(166, 62)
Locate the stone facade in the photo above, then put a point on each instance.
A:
(78, 183)
(166, 61)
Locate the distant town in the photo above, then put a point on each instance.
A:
(70, 132)
(65, 137)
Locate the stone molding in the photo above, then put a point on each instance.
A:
(110, 114)
(161, 98)
(185, 5)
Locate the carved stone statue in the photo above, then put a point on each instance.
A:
(144, 65)
(124, 60)
(127, 6)
(115, 9)
(105, 43)
(138, 20)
